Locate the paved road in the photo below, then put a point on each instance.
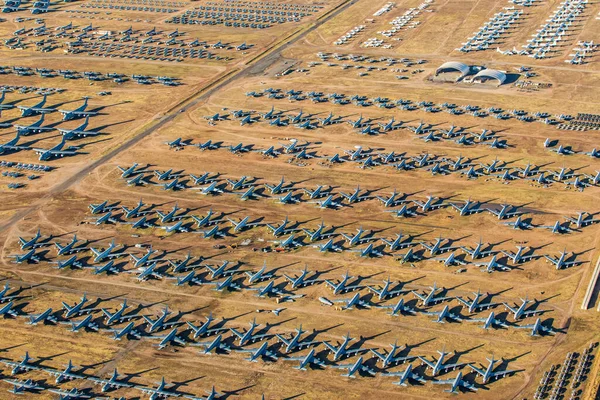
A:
(268, 58)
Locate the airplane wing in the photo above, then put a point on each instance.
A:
(426, 361)
(477, 370)
(452, 366)
(330, 346)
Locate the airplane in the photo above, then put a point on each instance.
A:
(22, 386)
(204, 329)
(429, 299)
(239, 148)
(248, 194)
(260, 352)
(398, 308)
(487, 373)
(557, 227)
(145, 259)
(489, 322)
(475, 304)
(391, 357)
(403, 211)
(112, 383)
(355, 196)
(260, 275)
(171, 215)
(105, 219)
(305, 361)
(538, 329)
(11, 145)
(66, 375)
(3, 294)
(72, 262)
(267, 290)
(341, 286)
(31, 243)
(349, 303)
(520, 311)
(301, 280)
(226, 284)
(384, 292)
(27, 111)
(160, 323)
(281, 228)
(353, 240)
(24, 365)
(221, 270)
(391, 125)
(341, 350)
(101, 207)
(477, 251)
(519, 257)
(135, 211)
(170, 338)
(208, 145)
(443, 314)
(86, 323)
(74, 393)
(368, 251)
(129, 171)
(582, 219)
(29, 257)
(405, 376)
(356, 367)
(328, 202)
(289, 242)
(437, 247)
(126, 331)
(213, 345)
(70, 248)
(119, 316)
(160, 392)
(204, 178)
(518, 224)
(243, 224)
(101, 255)
(7, 310)
(506, 211)
(438, 366)
(468, 208)
(492, 265)
(56, 151)
(431, 203)
(456, 383)
(247, 335)
(393, 200)
(295, 342)
(328, 246)
(561, 261)
(79, 112)
(77, 309)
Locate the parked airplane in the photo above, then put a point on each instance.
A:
(456, 383)
(56, 151)
(488, 373)
(307, 360)
(79, 112)
(521, 311)
(114, 382)
(538, 329)
(489, 322)
(439, 366)
(343, 349)
(561, 262)
(406, 376)
(431, 298)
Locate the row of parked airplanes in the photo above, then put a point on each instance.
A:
(372, 158)
(286, 346)
(410, 105)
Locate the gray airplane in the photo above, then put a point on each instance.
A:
(560, 262)
(204, 329)
(521, 311)
(519, 256)
(77, 309)
(343, 350)
(170, 339)
(437, 247)
(214, 345)
(65, 375)
(348, 304)
(386, 292)
(398, 308)
(354, 368)
(12, 146)
(295, 342)
(260, 352)
(23, 386)
(488, 373)
(160, 323)
(538, 329)
(443, 314)
(307, 360)
(342, 286)
(119, 315)
(24, 365)
(406, 376)
(492, 265)
(114, 382)
(391, 357)
(489, 322)
(431, 298)
(475, 304)
(248, 336)
(438, 366)
(29, 257)
(302, 280)
(106, 254)
(456, 383)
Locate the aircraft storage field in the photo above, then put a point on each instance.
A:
(321, 200)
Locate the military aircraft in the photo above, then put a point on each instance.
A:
(130, 171)
(86, 324)
(260, 352)
(170, 338)
(431, 203)
(161, 391)
(405, 376)
(538, 329)
(506, 211)
(439, 366)
(32, 243)
(126, 331)
(248, 335)
(358, 238)
(56, 151)
(456, 383)
(205, 329)
(29, 257)
(399, 308)
(561, 262)
(355, 196)
(8, 310)
(24, 365)
(348, 304)
(119, 315)
(77, 309)
(437, 247)
(488, 373)
(443, 314)
(582, 219)
(468, 208)
(216, 344)
(301, 280)
(221, 270)
(27, 111)
(71, 247)
(160, 323)
(307, 360)
(74, 393)
(112, 383)
(357, 367)
(4, 297)
(11, 145)
(391, 357)
(518, 223)
(521, 311)
(489, 322)
(342, 286)
(22, 386)
(328, 202)
(519, 256)
(492, 265)
(342, 350)
(385, 291)
(431, 298)
(475, 304)
(295, 342)
(79, 112)
(78, 132)
(267, 290)
(65, 375)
